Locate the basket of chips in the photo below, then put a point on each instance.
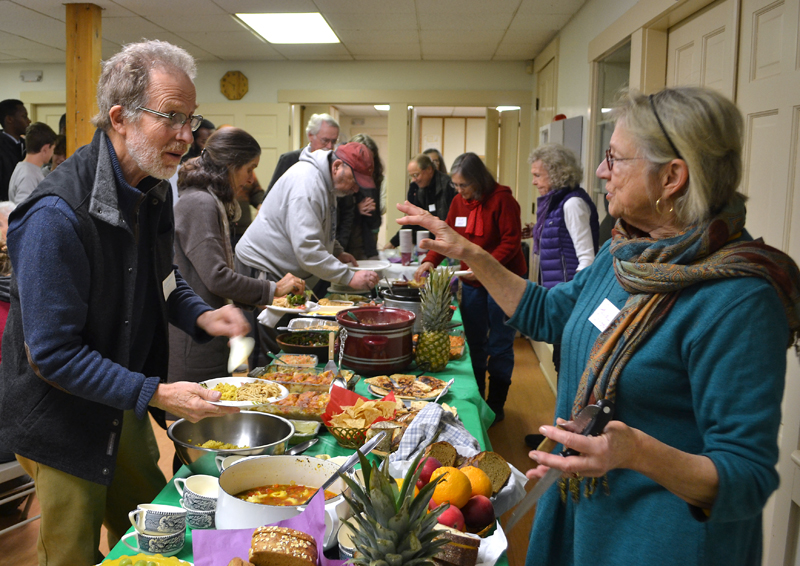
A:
(349, 416)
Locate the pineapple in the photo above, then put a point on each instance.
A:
(433, 345)
(392, 526)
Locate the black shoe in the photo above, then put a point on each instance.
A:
(533, 440)
(499, 415)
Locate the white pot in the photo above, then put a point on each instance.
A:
(249, 473)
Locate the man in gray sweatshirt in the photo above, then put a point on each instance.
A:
(295, 230)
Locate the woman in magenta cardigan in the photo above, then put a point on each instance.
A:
(487, 214)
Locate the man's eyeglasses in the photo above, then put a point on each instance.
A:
(414, 176)
(328, 141)
(610, 159)
(177, 119)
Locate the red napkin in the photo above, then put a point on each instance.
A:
(218, 548)
(341, 397)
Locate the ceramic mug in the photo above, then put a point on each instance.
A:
(199, 492)
(196, 519)
(225, 461)
(166, 545)
(154, 519)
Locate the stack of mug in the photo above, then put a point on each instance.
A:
(160, 529)
(199, 498)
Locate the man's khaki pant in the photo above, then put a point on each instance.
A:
(74, 509)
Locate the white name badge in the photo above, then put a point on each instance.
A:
(461, 221)
(169, 285)
(431, 208)
(604, 315)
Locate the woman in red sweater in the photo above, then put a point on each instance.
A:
(487, 214)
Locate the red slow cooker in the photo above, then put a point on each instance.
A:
(380, 342)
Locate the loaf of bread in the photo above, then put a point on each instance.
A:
(280, 546)
(495, 467)
(460, 550)
(442, 451)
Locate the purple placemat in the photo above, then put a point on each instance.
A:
(218, 548)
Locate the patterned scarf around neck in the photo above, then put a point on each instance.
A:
(655, 271)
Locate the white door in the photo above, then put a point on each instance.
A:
(546, 94)
(509, 148)
(768, 93)
(268, 123)
(701, 50)
(50, 114)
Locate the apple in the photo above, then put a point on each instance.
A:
(452, 518)
(428, 465)
(478, 513)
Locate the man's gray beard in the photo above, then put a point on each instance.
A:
(147, 157)
(340, 194)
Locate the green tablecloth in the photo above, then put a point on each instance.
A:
(463, 395)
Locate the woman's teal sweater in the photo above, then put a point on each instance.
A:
(708, 381)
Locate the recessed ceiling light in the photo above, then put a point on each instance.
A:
(504, 108)
(383, 107)
(290, 28)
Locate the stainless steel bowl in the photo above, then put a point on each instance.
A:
(265, 434)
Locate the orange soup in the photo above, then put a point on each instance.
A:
(281, 494)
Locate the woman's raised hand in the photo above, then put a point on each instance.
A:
(447, 242)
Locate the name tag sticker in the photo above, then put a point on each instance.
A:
(431, 208)
(169, 285)
(461, 221)
(604, 315)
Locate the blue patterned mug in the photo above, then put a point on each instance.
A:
(199, 492)
(166, 545)
(154, 519)
(200, 519)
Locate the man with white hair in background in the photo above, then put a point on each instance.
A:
(85, 350)
(323, 133)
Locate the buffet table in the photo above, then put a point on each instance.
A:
(463, 395)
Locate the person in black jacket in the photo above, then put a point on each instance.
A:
(14, 119)
(430, 190)
(85, 349)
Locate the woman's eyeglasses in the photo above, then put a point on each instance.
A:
(611, 159)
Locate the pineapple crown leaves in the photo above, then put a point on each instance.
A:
(435, 297)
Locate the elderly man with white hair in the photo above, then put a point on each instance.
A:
(323, 133)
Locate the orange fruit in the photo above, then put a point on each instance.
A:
(454, 488)
(400, 485)
(481, 484)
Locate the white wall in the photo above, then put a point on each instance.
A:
(574, 69)
(266, 78)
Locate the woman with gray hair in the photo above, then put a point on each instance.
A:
(566, 233)
(681, 327)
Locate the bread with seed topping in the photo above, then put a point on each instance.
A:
(281, 546)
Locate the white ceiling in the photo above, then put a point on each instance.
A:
(413, 30)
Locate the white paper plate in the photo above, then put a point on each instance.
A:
(310, 306)
(462, 273)
(374, 392)
(371, 265)
(237, 381)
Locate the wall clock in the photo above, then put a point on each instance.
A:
(233, 85)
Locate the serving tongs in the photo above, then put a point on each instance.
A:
(368, 447)
(338, 380)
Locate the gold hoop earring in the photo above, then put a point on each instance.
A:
(658, 202)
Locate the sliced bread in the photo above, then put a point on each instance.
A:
(442, 451)
(461, 548)
(281, 546)
(495, 467)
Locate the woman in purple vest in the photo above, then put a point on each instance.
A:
(566, 233)
(565, 236)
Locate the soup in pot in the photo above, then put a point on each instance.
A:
(281, 494)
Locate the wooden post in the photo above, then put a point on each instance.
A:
(84, 27)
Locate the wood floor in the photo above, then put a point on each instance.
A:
(530, 404)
